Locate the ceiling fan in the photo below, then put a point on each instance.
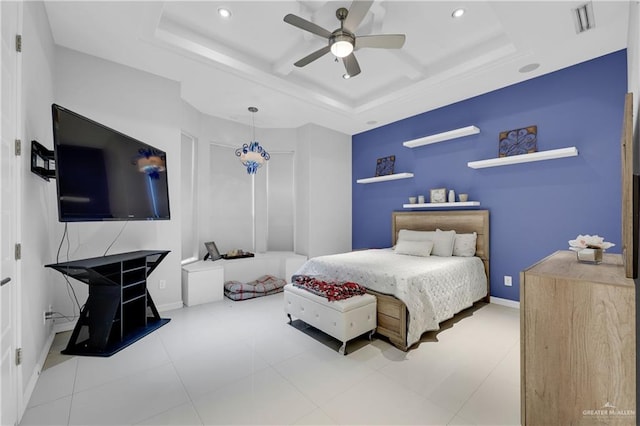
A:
(343, 41)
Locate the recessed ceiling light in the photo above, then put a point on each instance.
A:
(371, 122)
(224, 12)
(457, 13)
(346, 76)
(529, 68)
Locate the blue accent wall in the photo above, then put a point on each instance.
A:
(535, 208)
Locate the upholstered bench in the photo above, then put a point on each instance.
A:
(341, 319)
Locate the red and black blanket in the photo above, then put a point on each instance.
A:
(332, 290)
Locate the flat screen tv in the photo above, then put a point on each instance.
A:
(102, 174)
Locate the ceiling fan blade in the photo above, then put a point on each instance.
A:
(383, 41)
(313, 56)
(357, 11)
(301, 23)
(351, 65)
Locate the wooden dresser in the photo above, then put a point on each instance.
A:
(577, 342)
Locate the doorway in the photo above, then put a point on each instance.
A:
(10, 92)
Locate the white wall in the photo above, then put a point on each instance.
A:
(302, 194)
(147, 108)
(327, 178)
(38, 211)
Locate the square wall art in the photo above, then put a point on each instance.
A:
(518, 141)
(384, 166)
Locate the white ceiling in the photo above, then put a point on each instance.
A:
(225, 66)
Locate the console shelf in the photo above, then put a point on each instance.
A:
(525, 158)
(119, 310)
(394, 176)
(441, 205)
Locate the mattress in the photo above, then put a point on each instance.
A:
(433, 288)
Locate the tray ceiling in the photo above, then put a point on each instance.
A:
(224, 66)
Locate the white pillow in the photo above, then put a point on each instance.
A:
(414, 248)
(442, 240)
(465, 245)
(409, 235)
(443, 245)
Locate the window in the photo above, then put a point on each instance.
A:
(188, 198)
(230, 201)
(280, 206)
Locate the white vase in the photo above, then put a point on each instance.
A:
(452, 196)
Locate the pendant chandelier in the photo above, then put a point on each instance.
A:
(252, 155)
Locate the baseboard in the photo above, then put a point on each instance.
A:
(170, 306)
(65, 326)
(505, 302)
(33, 380)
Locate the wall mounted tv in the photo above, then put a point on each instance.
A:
(102, 174)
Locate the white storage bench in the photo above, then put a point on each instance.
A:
(342, 319)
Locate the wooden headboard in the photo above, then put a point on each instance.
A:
(461, 221)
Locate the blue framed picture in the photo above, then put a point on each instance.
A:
(384, 166)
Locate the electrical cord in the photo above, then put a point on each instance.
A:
(71, 292)
(60, 245)
(116, 238)
(59, 315)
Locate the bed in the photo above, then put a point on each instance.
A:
(410, 299)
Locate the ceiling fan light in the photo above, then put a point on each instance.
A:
(341, 47)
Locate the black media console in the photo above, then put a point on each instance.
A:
(119, 310)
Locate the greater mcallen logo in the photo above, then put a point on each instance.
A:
(608, 409)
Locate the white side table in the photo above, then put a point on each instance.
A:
(202, 282)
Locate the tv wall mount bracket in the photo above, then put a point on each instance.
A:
(42, 161)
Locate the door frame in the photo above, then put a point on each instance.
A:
(15, 403)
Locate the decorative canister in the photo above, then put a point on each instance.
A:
(590, 255)
(452, 196)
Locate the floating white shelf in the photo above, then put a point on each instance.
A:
(525, 158)
(444, 136)
(440, 205)
(385, 177)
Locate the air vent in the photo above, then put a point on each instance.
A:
(583, 18)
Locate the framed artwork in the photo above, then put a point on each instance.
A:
(212, 250)
(518, 141)
(439, 195)
(384, 166)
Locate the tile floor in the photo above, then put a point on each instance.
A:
(242, 363)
